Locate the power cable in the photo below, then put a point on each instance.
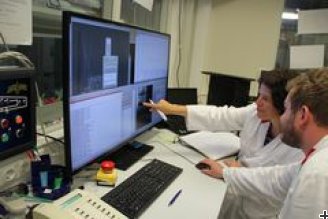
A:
(179, 45)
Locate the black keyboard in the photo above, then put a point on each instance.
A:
(136, 193)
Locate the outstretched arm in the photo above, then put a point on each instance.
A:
(167, 108)
(267, 182)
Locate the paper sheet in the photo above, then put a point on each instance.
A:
(313, 21)
(307, 56)
(214, 145)
(148, 4)
(16, 21)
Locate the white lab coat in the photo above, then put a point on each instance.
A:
(308, 195)
(253, 153)
(301, 189)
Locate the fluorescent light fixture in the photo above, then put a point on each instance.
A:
(289, 15)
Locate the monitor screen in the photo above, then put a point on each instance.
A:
(110, 70)
(17, 111)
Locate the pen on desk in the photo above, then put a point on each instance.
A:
(175, 197)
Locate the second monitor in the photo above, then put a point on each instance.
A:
(184, 96)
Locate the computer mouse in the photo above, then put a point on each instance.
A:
(202, 166)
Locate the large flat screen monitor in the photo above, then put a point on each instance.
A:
(17, 111)
(109, 70)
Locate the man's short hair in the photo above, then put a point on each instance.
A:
(311, 89)
(276, 81)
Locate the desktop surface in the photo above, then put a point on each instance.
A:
(194, 185)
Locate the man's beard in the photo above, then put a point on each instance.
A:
(290, 136)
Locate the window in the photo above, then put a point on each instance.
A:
(289, 36)
(133, 13)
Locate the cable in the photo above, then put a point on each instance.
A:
(21, 188)
(167, 147)
(4, 42)
(53, 138)
(179, 46)
(21, 58)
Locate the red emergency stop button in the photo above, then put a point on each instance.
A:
(107, 166)
(19, 119)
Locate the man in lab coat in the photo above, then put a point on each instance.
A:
(301, 187)
(261, 144)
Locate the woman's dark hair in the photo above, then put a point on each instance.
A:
(276, 81)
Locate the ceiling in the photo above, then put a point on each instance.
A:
(305, 4)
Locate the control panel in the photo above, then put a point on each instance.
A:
(78, 204)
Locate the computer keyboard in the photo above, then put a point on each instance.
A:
(136, 193)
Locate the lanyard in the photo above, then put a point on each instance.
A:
(307, 155)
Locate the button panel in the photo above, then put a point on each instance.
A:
(84, 205)
(12, 128)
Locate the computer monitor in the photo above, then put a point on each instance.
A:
(17, 111)
(109, 70)
(182, 96)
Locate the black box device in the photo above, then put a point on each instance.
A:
(17, 111)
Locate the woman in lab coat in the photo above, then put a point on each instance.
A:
(259, 126)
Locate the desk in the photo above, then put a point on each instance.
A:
(201, 195)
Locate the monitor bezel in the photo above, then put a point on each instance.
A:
(22, 73)
(67, 17)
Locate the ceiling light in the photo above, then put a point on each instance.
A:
(289, 16)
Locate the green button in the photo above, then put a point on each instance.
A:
(5, 137)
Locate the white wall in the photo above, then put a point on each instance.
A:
(196, 78)
(235, 37)
(194, 20)
(243, 36)
(171, 27)
(313, 21)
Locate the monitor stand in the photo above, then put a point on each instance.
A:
(130, 153)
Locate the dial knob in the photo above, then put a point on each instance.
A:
(19, 133)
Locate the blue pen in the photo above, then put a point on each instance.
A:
(175, 197)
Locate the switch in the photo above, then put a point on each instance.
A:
(19, 133)
(4, 137)
(19, 119)
(4, 123)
